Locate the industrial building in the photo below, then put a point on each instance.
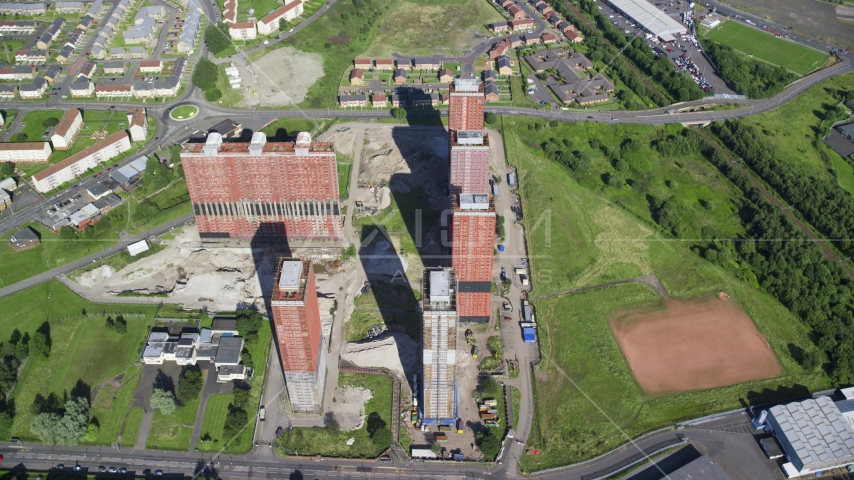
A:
(650, 18)
(439, 353)
(815, 434)
(263, 190)
(296, 318)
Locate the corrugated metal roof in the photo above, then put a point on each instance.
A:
(650, 17)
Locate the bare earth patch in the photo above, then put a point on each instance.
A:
(350, 410)
(284, 76)
(693, 345)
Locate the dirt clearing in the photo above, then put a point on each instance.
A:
(693, 345)
(350, 411)
(284, 76)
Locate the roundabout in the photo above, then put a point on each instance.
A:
(184, 112)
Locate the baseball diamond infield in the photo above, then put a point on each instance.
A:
(693, 345)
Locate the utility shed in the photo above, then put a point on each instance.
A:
(135, 249)
(814, 433)
(528, 335)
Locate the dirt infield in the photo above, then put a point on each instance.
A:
(693, 345)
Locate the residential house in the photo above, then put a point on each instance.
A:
(97, 52)
(85, 23)
(403, 64)
(17, 26)
(548, 38)
(379, 100)
(67, 129)
(25, 152)
(287, 12)
(137, 52)
(521, 25)
(573, 36)
(515, 42)
(95, 8)
(490, 91)
(399, 76)
(516, 12)
(554, 20)
(499, 49)
(31, 56)
(446, 76)
(50, 34)
(426, 63)
(34, 89)
(500, 27)
(385, 64)
(150, 66)
(363, 63)
(356, 77)
(544, 8)
(64, 55)
(423, 99)
(8, 92)
(24, 9)
(242, 31)
(114, 68)
(229, 11)
(22, 72)
(137, 124)
(399, 100)
(489, 75)
(88, 69)
(82, 87)
(504, 65)
(117, 53)
(68, 7)
(189, 32)
(531, 40)
(345, 101)
(113, 91)
(52, 74)
(75, 38)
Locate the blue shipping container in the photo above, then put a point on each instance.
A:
(511, 179)
(501, 248)
(528, 335)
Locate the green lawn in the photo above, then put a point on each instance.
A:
(176, 431)
(77, 355)
(184, 112)
(9, 48)
(133, 422)
(34, 129)
(344, 167)
(111, 407)
(765, 46)
(286, 129)
(516, 400)
(215, 413)
(399, 305)
(329, 443)
(598, 234)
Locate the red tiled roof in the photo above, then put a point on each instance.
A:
(235, 26)
(280, 11)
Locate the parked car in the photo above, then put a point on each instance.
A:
(158, 472)
(113, 469)
(102, 468)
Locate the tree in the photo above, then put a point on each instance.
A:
(248, 324)
(215, 39)
(811, 360)
(7, 169)
(398, 113)
(213, 94)
(45, 427)
(164, 401)
(491, 118)
(20, 137)
(40, 344)
(75, 421)
(190, 384)
(488, 443)
(283, 24)
(50, 122)
(205, 74)
(378, 430)
(235, 420)
(241, 395)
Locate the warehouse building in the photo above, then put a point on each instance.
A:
(815, 435)
(650, 18)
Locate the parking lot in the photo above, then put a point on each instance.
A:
(685, 54)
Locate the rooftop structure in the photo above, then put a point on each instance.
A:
(815, 435)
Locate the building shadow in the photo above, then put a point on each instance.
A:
(665, 466)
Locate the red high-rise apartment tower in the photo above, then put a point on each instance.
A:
(296, 317)
(468, 144)
(263, 190)
(472, 232)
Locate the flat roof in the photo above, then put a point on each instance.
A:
(440, 286)
(814, 431)
(290, 274)
(651, 18)
(702, 467)
(470, 201)
(224, 325)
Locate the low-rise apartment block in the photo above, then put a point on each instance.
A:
(114, 91)
(345, 101)
(8, 92)
(25, 152)
(31, 56)
(151, 66)
(82, 87)
(19, 8)
(68, 7)
(34, 89)
(67, 130)
(242, 31)
(287, 12)
(22, 72)
(73, 166)
(138, 124)
(17, 26)
(114, 68)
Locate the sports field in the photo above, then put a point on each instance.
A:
(765, 46)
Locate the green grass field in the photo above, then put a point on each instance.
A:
(765, 46)
(176, 431)
(792, 127)
(77, 355)
(286, 129)
(184, 112)
(110, 408)
(329, 443)
(598, 236)
(432, 27)
(34, 128)
(132, 424)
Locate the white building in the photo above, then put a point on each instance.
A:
(242, 31)
(75, 165)
(210, 345)
(135, 249)
(67, 130)
(25, 152)
(138, 124)
(287, 12)
(815, 435)
(650, 18)
(82, 87)
(68, 7)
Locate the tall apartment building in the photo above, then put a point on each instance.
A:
(296, 317)
(472, 233)
(465, 109)
(263, 190)
(469, 162)
(439, 354)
